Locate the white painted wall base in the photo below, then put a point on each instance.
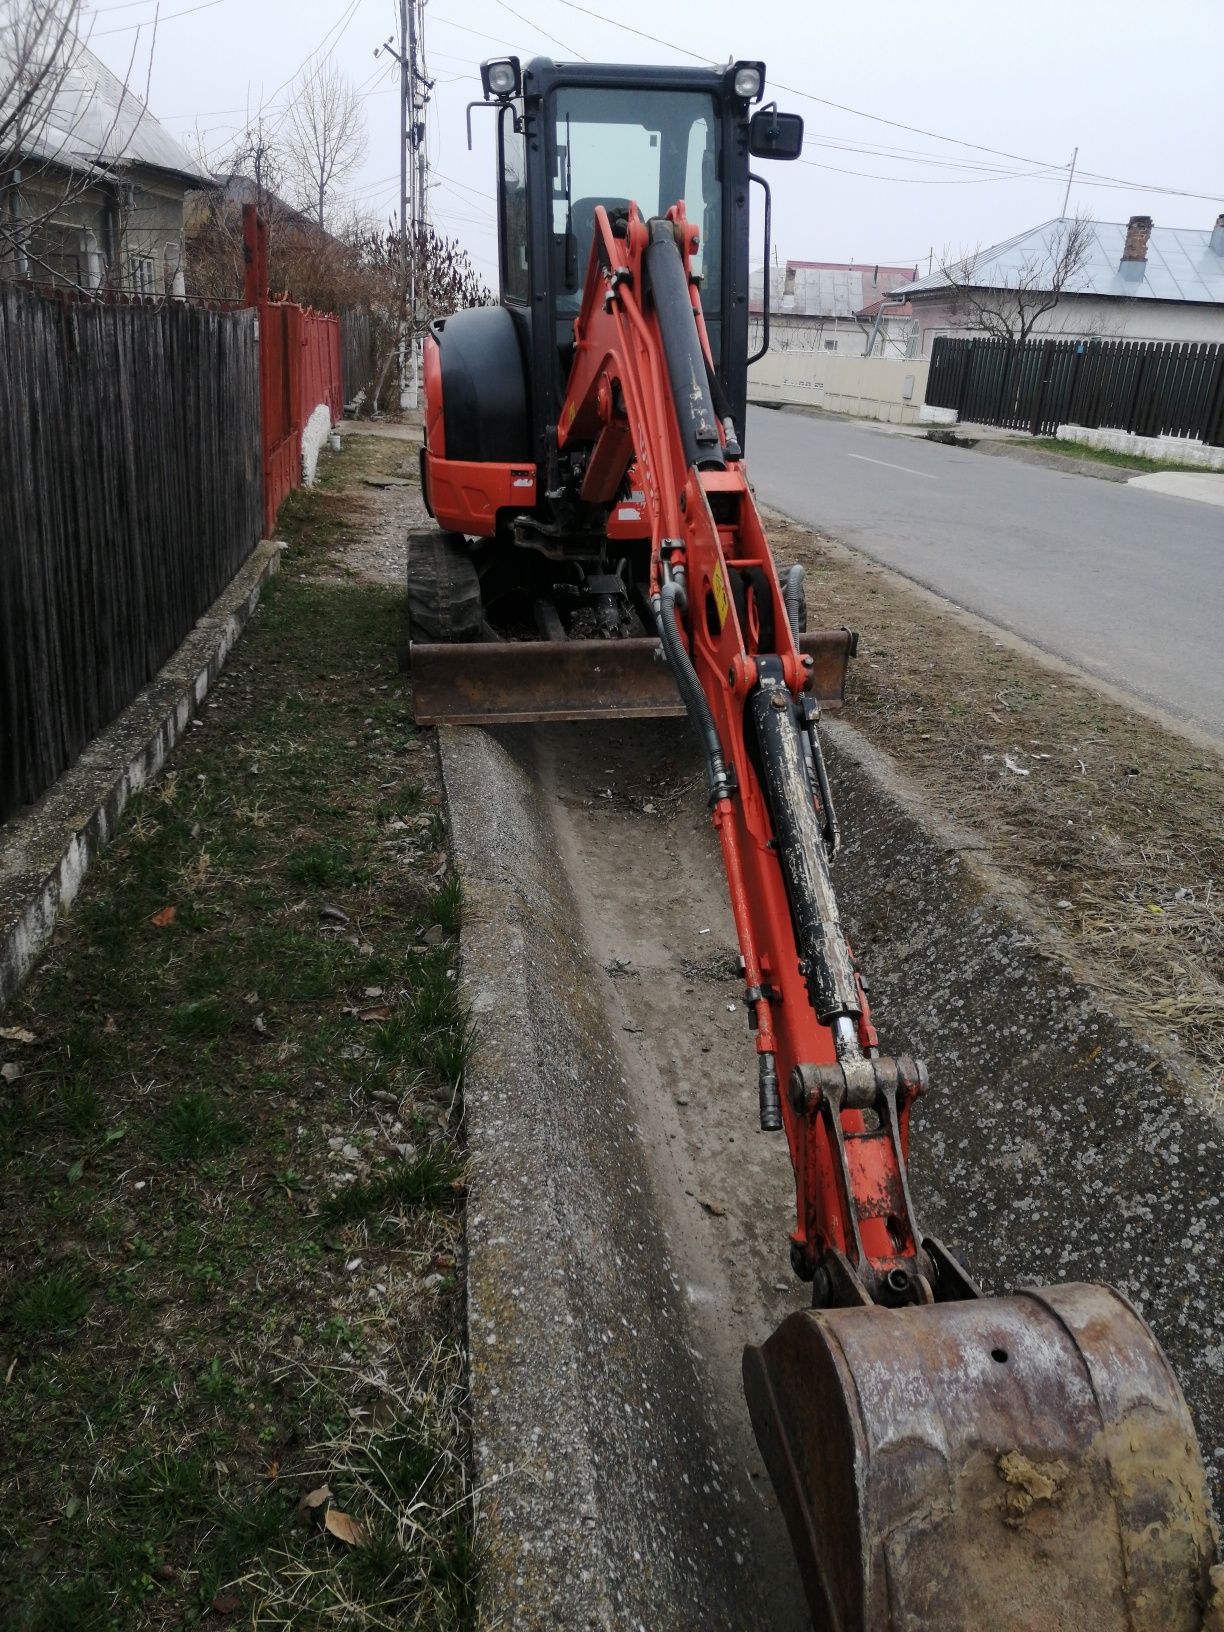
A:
(885, 388)
(1185, 450)
(315, 433)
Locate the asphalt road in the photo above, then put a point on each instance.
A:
(1126, 584)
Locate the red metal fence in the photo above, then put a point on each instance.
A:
(299, 369)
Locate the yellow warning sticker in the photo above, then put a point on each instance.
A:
(567, 418)
(720, 594)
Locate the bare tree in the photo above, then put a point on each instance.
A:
(1008, 306)
(55, 135)
(325, 139)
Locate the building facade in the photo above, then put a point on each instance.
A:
(836, 307)
(91, 192)
(1134, 281)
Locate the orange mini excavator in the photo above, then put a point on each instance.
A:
(945, 1460)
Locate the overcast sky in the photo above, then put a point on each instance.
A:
(1134, 83)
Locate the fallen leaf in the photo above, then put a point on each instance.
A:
(165, 917)
(225, 1603)
(9, 1071)
(715, 1209)
(77, 1171)
(343, 1528)
(17, 1034)
(379, 1012)
(313, 1500)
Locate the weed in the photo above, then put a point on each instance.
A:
(51, 1306)
(201, 1020)
(449, 1051)
(77, 1106)
(330, 865)
(195, 1125)
(444, 908)
(77, 1606)
(214, 1384)
(428, 1181)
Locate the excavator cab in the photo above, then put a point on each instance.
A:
(524, 559)
(947, 1461)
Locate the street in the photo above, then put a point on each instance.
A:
(1123, 583)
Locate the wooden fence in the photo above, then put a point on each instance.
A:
(130, 494)
(1144, 386)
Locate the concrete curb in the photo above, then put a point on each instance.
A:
(605, 1494)
(45, 852)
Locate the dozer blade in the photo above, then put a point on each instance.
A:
(513, 682)
(1017, 1464)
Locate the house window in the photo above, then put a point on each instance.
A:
(144, 275)
(830, 345)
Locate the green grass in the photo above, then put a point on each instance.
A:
(429, 1181)
(194, 1124)
(52, 1305)
(183, 1236)
(1102, 456)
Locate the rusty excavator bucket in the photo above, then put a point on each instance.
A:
(1012, 1464)
(517, 681)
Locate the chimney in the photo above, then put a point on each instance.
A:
(1134, 250)
(1216, 244)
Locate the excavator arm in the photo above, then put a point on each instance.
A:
(945, 1460)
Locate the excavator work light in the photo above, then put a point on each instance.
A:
(502, 77)
(749, 80)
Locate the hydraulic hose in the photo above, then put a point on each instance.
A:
(672, 598)
(792, 594)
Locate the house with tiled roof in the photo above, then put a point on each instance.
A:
(1134, 281)
(838, 307)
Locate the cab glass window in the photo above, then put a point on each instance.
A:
(513, 205)
(655, 148)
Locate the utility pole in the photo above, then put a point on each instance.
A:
(1070, 179)
(415, 87)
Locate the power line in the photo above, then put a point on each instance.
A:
(544, 31)
(153, 22)
(896, 124)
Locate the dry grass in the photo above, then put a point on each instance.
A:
(1114, 825)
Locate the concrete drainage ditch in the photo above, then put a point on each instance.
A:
(627, 1224)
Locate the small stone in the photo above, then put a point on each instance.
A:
(434, 935)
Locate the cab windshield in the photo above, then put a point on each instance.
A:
(652, 147)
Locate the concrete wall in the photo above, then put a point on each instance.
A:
(871, 387)
(1080, 317)
(1184, 450)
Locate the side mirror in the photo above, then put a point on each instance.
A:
(774, 135)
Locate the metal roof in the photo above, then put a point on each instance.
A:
(1181, 264)
(824, 288)
(89, 121)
